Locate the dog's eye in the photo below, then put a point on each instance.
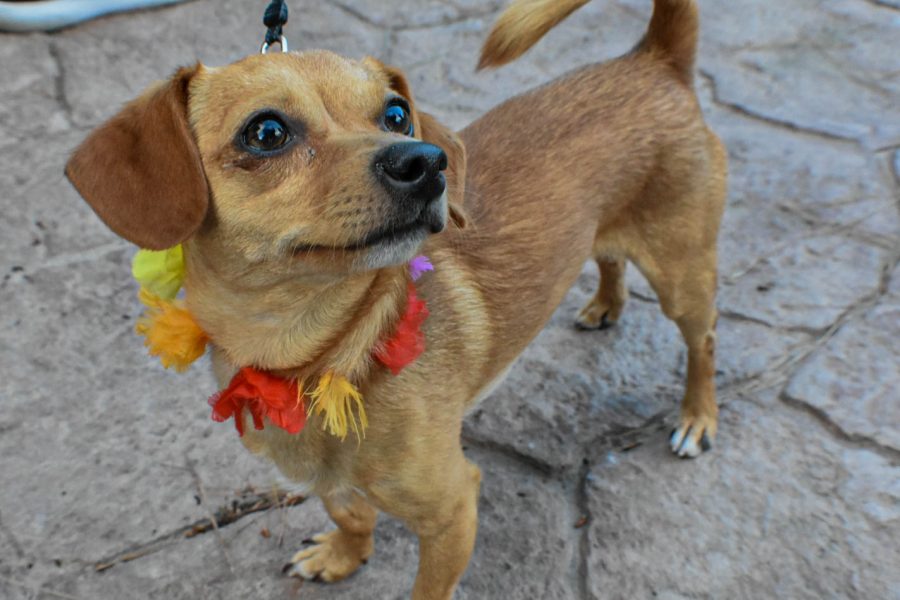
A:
(397, 119)
(266, 133)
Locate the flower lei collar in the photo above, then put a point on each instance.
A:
(172, 334)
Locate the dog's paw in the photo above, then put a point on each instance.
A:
(693, 436)
(597, 315)
(334, 556)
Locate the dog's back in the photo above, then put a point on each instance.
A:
(566, 160)
(607, 125)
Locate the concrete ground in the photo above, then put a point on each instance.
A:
(111, 471)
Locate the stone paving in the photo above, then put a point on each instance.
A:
(106, 459)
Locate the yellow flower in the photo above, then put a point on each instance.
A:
(161, 273)
(170, 331)
(335, 397)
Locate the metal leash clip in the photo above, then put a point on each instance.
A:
(275, 17)
(281, 41)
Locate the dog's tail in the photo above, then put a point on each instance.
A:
(672, 32)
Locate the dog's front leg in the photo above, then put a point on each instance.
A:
(336, 554)
(446, 531)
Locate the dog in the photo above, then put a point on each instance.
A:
(300, 185)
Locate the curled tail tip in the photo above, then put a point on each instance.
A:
(490, 57)
(489, 61)
(509, 39)
(495, 54)
(484, 65)
(520, 26)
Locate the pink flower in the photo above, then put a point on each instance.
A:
(418, 266)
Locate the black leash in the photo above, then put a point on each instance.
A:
(275, 18)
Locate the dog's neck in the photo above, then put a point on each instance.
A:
(296, 325)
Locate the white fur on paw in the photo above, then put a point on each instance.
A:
(298, 570)
(686, 443)
(677, 438)
(330, 558)
(689, 448)
(311, 563)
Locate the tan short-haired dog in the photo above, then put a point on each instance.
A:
(300, 186)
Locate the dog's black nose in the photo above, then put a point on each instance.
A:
(412, 170)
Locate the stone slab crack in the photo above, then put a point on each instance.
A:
(492, 447)
(583, 529)
(889, 4)
(59, 84)
(892, 454)
(757, 116)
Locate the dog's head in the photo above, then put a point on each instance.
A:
(310, 160)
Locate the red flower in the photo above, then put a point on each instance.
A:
(408, 341)
(264, 395)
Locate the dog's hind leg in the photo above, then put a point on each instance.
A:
(605, 308)
(687, 293)
(339, 553)
(692, 306)
(674, 246)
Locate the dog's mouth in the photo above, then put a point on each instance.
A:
(389, 235)
(432, 219)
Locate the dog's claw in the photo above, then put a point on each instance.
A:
(691, 438)
(582, 324)
(333, 557)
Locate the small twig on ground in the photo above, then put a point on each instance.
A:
(249, 503)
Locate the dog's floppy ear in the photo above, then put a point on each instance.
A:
(141, 170)
(434, 132)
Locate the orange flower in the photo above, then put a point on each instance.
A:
(170, 332)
